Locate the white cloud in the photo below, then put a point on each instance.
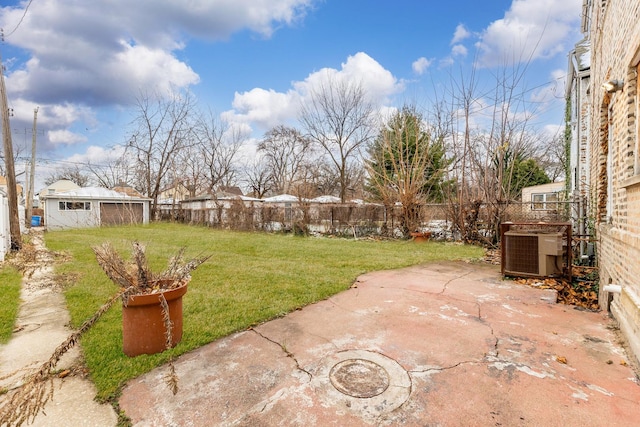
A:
(530, 29)
(65, 137)
(559, 78)
(78, 56)
(96, 53)
(446, 62)
(458, 50)
(460, 34)
(552, 131)
(266, 108)
(553, 91)
(97, 155)
(420, 65)
(53, 122)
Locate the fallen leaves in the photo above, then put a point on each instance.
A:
(582, 292)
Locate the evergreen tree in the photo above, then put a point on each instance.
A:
(407, 165)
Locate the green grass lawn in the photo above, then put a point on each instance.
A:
(10, 279)
(251, 278)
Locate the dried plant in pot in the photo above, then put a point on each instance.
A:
(137, 283)
(151, 303)
(420, 236)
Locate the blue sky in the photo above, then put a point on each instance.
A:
(82, 63)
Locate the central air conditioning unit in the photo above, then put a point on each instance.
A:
(532, 254)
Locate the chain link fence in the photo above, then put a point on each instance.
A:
(351, 219)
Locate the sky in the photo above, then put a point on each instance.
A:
(82, 64)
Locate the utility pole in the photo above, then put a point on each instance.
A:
(32, 175)
(12, 192)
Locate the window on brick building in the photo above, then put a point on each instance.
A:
(604, 161)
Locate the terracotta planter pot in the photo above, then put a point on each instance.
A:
(421, 236)
(143, 330)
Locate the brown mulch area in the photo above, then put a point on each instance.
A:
(581, 292)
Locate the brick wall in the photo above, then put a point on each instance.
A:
(615, 187)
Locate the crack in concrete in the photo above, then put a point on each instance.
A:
(446, 284)
(286, 352)
(445, 368)
(496, 351)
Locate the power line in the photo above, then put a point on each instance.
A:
(48, 161)
(19, 22)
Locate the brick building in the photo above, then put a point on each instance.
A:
(613, 33)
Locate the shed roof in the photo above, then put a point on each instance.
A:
(92, 193)
(550, 187)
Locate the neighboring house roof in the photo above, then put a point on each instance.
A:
(326, 199)
(232, 190)
(128, 190)
(222, 196)
(177, 184)
(58, 186)
(247, 199)
(282, 198)
(168, 201)
(3, 184)
(92, 193)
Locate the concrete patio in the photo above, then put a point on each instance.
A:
(448, 344)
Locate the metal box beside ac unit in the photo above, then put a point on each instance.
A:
(532, 254)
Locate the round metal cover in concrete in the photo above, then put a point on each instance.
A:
(362, 382)
(359, 378)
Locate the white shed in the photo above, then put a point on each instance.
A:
(93, 207)
(543, 197)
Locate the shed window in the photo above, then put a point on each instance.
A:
(74, 206)
(544, 201)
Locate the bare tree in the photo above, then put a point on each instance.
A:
(339, 118)
(258, 178)
(219, 144)
(161, 129)
(322, 174)
(115, 169)
(553, 157)
(71, 173)
(491, 133)
(189, 169)
(286, 152)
